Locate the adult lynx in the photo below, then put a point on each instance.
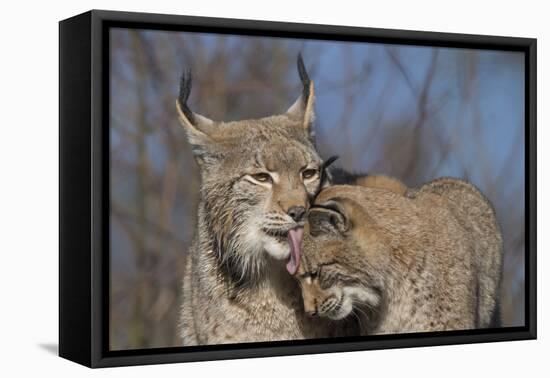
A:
(257, 178)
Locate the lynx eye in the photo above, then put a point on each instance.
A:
(309, 173)
(261, 177)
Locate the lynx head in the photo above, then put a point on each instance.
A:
(343, 255)
(257, 176)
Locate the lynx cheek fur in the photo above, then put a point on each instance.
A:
(256, 180)
(429, 260)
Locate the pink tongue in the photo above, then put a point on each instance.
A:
(295, 240)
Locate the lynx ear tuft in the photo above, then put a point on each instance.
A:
(186, 115)
(199, 129)
(326, 177)
(304, 78)
(302, 108)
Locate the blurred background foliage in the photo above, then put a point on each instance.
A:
(416, 113)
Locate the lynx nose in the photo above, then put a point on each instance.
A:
(296, 212)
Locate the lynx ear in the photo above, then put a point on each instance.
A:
(302, 109)
(328, 217)
(199, 129)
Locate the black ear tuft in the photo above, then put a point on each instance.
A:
(304, 77)
(185, 90)
(325, 176)
(329, 161)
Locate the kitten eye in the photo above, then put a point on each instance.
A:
(309, 173)
(261, 177)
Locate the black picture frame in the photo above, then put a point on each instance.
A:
(84, 187)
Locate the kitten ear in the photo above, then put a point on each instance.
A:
(302, 109)
(199, 129)
(328, 217)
